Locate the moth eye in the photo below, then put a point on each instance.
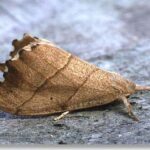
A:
(51, 98)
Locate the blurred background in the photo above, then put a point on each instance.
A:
(112, 34)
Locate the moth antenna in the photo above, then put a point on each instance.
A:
(142, 88)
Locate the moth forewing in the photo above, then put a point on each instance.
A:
(43, 79)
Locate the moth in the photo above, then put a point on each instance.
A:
(42, 79)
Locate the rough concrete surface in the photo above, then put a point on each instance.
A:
(112, 34)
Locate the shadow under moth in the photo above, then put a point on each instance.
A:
(42, 79)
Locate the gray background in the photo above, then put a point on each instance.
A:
(112, 34)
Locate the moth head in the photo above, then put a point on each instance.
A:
(125, 86)
(130, 86)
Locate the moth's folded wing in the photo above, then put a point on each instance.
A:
(55, 93)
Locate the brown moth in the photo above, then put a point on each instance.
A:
(42, 79)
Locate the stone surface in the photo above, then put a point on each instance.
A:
(112, 34)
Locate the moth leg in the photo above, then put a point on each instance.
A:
(129, 108)
(61, 116)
